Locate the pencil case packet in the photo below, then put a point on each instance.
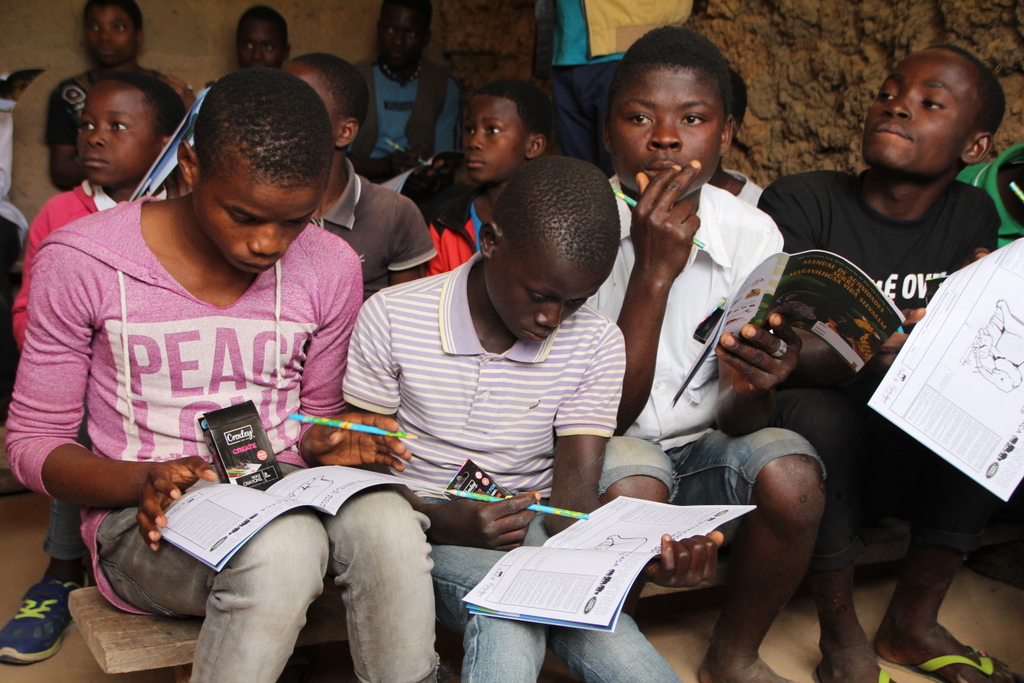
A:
(239, 445)
(473, 479)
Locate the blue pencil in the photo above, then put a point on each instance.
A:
(538, 508)
(353, 426)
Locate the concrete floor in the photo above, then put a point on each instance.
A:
(982, 612)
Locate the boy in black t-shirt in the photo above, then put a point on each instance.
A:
(903, 220)
(113, 38)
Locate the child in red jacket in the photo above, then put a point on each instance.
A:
(507, 124)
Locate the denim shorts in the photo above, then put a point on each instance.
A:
(716, 469)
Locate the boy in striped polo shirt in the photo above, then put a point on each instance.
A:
(500, 361)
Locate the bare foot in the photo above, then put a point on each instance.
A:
(856, 664)
(912, 649)
(753, 672)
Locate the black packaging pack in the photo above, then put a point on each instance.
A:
(473, 479)
(240, 447)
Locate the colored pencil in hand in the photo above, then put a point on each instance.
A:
(632, 203)
(537, 508)
(352, 426)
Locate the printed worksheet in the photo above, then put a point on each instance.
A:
(211, 523)
(956, 384)
(581, 576)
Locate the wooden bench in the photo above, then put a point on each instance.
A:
(123, 642)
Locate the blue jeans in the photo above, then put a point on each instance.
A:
(716, 469)
(64, 536)
(507, 651)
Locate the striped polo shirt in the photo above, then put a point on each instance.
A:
(415, 353)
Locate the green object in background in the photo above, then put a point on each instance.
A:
(986, 176)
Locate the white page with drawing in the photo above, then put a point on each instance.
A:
(212, 522)
(581, 576)
(957, 386)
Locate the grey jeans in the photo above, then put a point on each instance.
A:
(375, 547)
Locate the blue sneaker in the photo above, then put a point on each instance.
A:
(36, 631)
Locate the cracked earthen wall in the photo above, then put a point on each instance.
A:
(811, 66)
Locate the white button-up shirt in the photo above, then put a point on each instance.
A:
(737, 238)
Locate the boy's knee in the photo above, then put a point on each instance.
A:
(635, 468)
(295, 540)
(791, 486)
(282, 566)
(379, 523)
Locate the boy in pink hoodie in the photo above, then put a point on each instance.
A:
(127, 119)
(157, 312)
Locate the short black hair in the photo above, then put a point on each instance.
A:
(129, 6)
(347, 86)
(739, 96)
(168, 109)
(674, 47)
(566, 203)
(532, 103)
(423, 7)
(990, 92)
(269, 122)
(264, 13)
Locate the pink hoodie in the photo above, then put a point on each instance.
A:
(110, 327)
(56, 212)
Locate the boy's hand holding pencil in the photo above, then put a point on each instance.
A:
(499, 525)
(353, 439)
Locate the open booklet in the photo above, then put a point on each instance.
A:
(580, 577)
(818, 292)
(13, 84)
(210, 523)
(957, 385)
(168, 159)
(444, 162)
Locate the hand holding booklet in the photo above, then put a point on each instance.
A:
(212, 522)
(581, 576)
(818, 292)
(957, 385)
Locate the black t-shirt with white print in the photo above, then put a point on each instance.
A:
(825, 210)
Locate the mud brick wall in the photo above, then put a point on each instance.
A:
(812, 67)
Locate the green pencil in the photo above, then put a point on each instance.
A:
(1017, 191)
(353, 426)
(394, 145)
(538, 508)
(632, 202)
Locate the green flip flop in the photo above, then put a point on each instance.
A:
(984, 664)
